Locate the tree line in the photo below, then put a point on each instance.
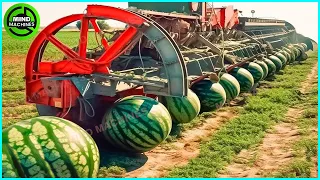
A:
(103, 25)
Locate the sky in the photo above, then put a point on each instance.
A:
(302, 15)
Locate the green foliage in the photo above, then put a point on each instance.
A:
(298, 168)
(306, 148)
(19, 48)
(260, 112)
(112, 171)
(310, 113)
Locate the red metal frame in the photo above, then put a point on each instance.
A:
(225, 17)
(97, 30)
(76, 62)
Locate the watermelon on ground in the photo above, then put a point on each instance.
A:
(264, 67)
(282, 58)
(297, 52)
(271, 67)
(293, 53)
(286, 54)
(304, 46)
(255, 70)
(48, 147)
(137, 124)
(244, 78)
(211, 95)
(182, 109)
(301, 55)
(276, 62)
(231, 86)
(290, 58)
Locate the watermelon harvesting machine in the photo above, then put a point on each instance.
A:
(169, 63)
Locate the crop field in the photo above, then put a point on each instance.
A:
(14, 54)
(271, 134)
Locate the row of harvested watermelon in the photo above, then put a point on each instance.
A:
(53, 147)
(139, 123)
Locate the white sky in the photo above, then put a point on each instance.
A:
(302, 15)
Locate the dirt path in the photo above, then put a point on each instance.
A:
(13, 59)
(306, 85)
(187, 147)
(275, 149)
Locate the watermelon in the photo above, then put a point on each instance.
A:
(293, 53)
(137, 124)
(230, 85)
(290, 58)
(296, 52)
(276, 62)
(282, 58)
(286, 54)
(299, 47)
(264, 67)
(304, 46)
(211, 95)
(255, 70)
(244, 78)
(271, 67)
(183, 109)
(48, 147)
(301, 52)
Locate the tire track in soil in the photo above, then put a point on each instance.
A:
(275, 150)
(160, 160)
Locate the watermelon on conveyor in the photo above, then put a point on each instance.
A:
(291, 54)
(48, 147)
(211, 95)
(255, 70)
(244, 78)
(231, 86)
(271, 67)
(286, 54)
(137, 123)
(276, 62)
(282, 58)
(305, 47)
(264, 67)
(301, 55)
(183, 109)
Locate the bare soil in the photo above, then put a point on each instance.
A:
(276, 147)
(160, 160)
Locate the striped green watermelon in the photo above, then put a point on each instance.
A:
(290, 58)
(300, 47)
(48, 147)
(264, 67)
(137, 123)
(255, 70)
(286, 54)
(301, 52)
(282, 58)
(293, 53)
(304, 46)
(276, 62)
(183, 109)
(230, 85)
(244, 78)
(271, 67)
(211, 95)
(296, 51)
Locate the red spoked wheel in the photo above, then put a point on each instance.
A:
(64, 102)
(76, 62)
